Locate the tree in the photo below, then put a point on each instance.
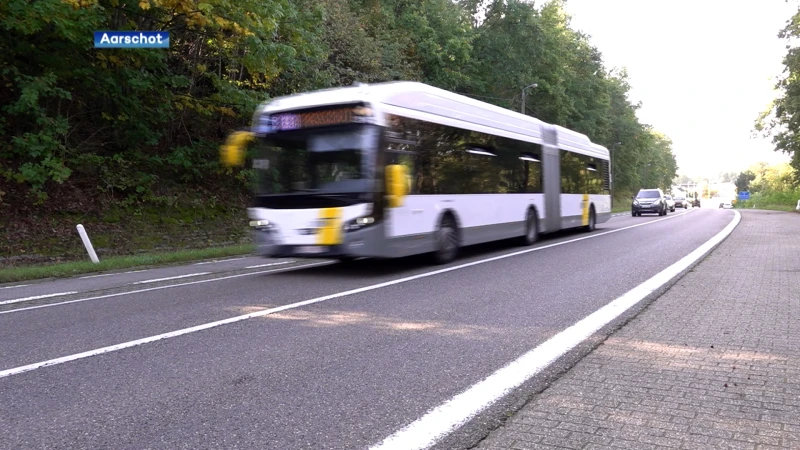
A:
(130, 123)
(782, 119)
(134, 126)
(727, 177)
(743, 180)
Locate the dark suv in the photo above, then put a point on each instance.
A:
(649, 201)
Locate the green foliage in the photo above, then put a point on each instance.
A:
(770, 187)
(132, 122)
(743, 181)
(782, 119)
(131, 127)
(70, 269)
(770, 179)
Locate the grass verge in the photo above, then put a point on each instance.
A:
(69, 269)
(769, 207)
(620, 208)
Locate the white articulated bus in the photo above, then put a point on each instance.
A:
(402, 168)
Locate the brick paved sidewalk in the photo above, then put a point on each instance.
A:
(713, 363)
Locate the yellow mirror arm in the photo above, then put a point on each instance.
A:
(233, 151)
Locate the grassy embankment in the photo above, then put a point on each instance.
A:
(776, 201)
(72, 268)
(43, 242)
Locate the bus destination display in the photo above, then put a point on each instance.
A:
(310, 119)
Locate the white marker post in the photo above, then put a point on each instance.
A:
(798, 205)
(88, 244)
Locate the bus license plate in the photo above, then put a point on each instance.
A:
(310, 249)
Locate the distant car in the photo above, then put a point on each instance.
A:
(696, 202)
(649, 201)
(681, 202)
(727, 204)
(670, 202)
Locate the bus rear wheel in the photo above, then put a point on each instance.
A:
(445, 241)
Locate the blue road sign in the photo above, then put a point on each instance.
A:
(744, 195)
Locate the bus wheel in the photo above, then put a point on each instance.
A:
(446, 241)
(531, 229)
(592, 220)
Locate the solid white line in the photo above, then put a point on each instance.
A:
(101, 275)
(267, 265)
(137, 271)
(217, 261)
(444, 419)
(266, 312)
(118, 294)
(35, 297)
(15, 286)
(155, 280)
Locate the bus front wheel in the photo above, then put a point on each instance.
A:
(446, 241)
(531, 229)
(592, 221)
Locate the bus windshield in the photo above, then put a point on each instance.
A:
(325, 162)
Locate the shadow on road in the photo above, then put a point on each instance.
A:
(375, 268)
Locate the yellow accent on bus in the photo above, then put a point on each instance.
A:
(232, 152)
(397, 185)
(585, 215)
(330, 233)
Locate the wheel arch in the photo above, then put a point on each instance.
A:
(449, 213)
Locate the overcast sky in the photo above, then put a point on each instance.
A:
(703, 70)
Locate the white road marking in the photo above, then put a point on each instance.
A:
(217, 261)
(137, 271)
(155, 280)
(95, 276)
(265, 312)
(267, 265)
(35, 297)
(15, 286)
(449, 416)
(118, 294)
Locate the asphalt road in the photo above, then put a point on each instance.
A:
(340, 372)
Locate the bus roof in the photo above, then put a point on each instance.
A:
(422, 101)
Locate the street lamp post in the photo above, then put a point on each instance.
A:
(522, 107)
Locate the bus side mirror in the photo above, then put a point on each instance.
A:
(396, 184)
(232, 152)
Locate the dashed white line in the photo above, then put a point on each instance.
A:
(265, 312)
(169, 286)
(216, 261)
(258, 266)
(15, 286)
(137, 271)
(96, 276)
(177, 277)
(35, 297)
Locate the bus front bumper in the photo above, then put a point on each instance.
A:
(367, 242)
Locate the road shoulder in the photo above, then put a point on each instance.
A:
(714, 362)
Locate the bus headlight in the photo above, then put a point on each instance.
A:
(359, 223)
(261, 225)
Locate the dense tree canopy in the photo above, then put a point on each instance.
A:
(138, 125)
